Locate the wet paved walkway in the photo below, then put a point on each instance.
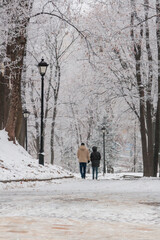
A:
(24, 228)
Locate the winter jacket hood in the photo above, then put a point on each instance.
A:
(94, 149)
(83, 148)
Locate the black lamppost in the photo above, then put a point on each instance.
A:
(26, 115)
(42, 70)
(104, 164)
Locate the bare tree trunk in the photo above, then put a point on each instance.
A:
(53, 131)
(2, 98)
(56, 92)
(137, 54)
(149, 106)
(78, 137)
(35, 113)
(157, 126)
(15, 52)
(135, 148)
(90, 124)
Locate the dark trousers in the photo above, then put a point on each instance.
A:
(82, 167)
(95, 170)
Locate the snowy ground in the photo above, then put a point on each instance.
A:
(81, 209)
(116, 207)
(17, 164)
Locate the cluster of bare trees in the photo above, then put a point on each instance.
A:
(17, 19)
(145, 80)
(18, 15)
(135, 72)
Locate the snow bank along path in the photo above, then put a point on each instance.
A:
(17, 165)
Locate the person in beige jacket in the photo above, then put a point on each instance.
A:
(83, 157)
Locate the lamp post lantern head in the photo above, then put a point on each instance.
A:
(26, 113)
(42, 67)
(103, 129)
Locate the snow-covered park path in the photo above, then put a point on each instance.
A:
(81, 209)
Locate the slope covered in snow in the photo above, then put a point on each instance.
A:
(17, 164)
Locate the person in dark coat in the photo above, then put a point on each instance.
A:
(95, 158)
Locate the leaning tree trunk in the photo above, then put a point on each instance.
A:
(4, 100)
(15, 51)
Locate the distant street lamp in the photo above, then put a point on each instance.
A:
(42, 70)
(104, 164)
(26, 115)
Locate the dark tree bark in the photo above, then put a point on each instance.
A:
(4, 100)
(2, 97)
(145, 105)
(157, 126)
(15, 52)
(149, 106)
